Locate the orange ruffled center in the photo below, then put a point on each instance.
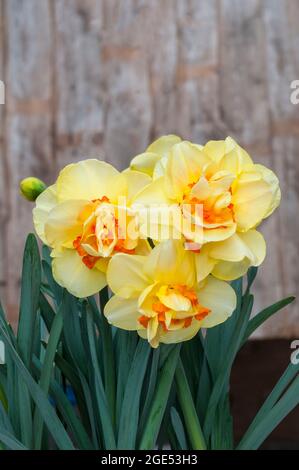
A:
(196, 310)
(101, 235)
(207, 209)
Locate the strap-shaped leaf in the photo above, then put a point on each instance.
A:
(160, 399)
(46, 373)
(128, 424)
(41, 400)
(67, 411)
(227, 364)
(185, 399)
(290, 399)
(30, 288)
(263, 316)
(102, 403)
(178, 428)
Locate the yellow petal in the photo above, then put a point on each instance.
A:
(154, 193)
(183, 334)
(270, 177)
(136, 181)
(249, 245)
(160, 168)
(221, 181)
(70, 272)
(215, 149)
(219, 233)
(220, 298)
(230, 270)
(186, 163)
(44, 204)
(143, 333)
(232, 249)
(235, 159)
(145, 162)
(122, 313)
(251, 197)
(63, 226)
(201, 190)
(174, 301)
(256, 245)
(90, 179)
(159, 222)
(170, 263)
(125, 275)
(163, 145)
(231, 258)
(204, 263)
(152, 328)
(145, 300)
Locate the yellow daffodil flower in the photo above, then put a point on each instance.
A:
(158, 295)
(223, 195)
(154, 159)
(82, 218)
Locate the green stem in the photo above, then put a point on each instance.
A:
(160, 399)
(109, 360)
(192, 423)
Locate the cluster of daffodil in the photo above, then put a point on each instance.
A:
(166, 287)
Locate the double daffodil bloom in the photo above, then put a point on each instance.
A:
(85, 217)
(223, 195)
(158, 295)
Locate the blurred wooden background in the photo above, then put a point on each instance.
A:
(104, 77)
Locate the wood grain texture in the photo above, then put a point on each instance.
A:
(104, 77)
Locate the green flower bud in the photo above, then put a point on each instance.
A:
(31, 187)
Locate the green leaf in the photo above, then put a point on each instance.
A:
(72, 330)
(24, 412)
(10, 441)
(46, 373)
(227, 362)
(47, 311)
(124, 341)
(222, 432)
(90, 409)
(31, 279)
(178, 428)
(192, 355)
(164, 383)
(150, 389)
(261, 317)
(57, 291)
(68, 412)
(204, 390)
(41, 400)
(3, 399)
(191, 420)
(287, 377)
(105, 333)
(128, 424)
(102, 403)
(270, 421)
(218, 338)
(251, 275)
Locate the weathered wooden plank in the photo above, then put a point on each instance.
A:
(28, 121)
(79, 92)
(244, 109)
(197, 78)
(281, 40)
(103, 78)
(3, 179)
(128, 107)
